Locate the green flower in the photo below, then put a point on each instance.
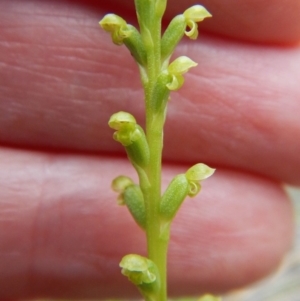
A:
(195, 175)
(126, 128)
(138, 269)
(130, 195)
(132, 136)
(116, 26)
(180, 187)
(119, 185)
(176, 69)
(194, 14)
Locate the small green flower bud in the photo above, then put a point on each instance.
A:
(132, 136)
(116, 26)
(135, 45)
(160, 7)
(145, 12)
(134, 200)
(123, 33)
(160, 93)
(177, 28)
(176, 69)
(138, 152)
(181, 186)
(131, 195)
(172, 36)
(196, 13)
(139, 270)
(119, 184)
(173, 197)
(125, 126)
(122, 121)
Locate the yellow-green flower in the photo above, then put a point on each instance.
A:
(194, 14)
(195, 175)
(138, 269)
(116, 26)
(176, 69)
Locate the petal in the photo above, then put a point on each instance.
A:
(181, 65)
(117, 26)
(196, 13)
(199, 172)
(137, 269)
(112, 22)
(134, 263)
(122, 120)
(120, 183)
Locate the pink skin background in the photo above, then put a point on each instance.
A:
(61, 233)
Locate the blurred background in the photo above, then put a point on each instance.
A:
(285, 284)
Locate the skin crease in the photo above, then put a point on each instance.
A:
(273, 21)
(58, 240)
(61, 234)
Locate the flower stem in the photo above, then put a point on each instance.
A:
(156, 244)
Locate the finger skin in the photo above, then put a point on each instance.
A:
(239, 110)
(62, 79)
(56, 236)
(270, 22)
(62, 234)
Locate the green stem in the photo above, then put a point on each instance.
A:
(157, 244)
(157, 247)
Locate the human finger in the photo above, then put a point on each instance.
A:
(60, 84)
(272, 22)
(62, 234)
